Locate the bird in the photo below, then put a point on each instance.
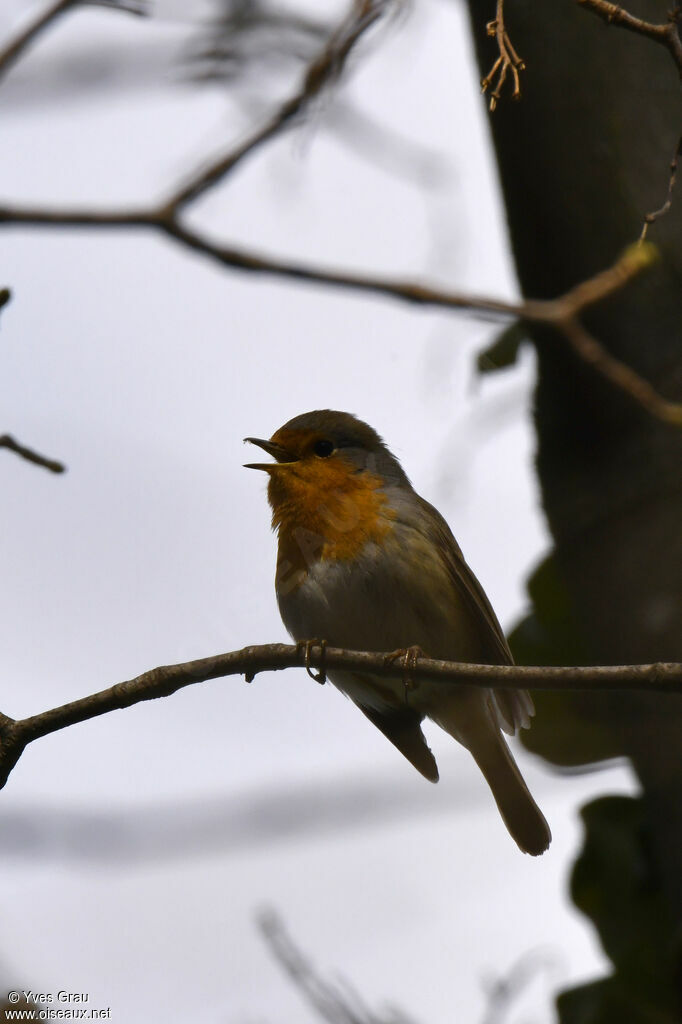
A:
(365, 563)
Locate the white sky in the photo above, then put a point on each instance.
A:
(136, 849)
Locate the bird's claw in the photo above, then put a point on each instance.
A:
(410, 656)
(306, 646)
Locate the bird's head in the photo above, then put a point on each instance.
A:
(330, 471)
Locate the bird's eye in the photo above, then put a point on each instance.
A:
(323, 448)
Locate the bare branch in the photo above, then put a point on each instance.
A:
(503, 990)
(7, 441)
(507, 61)
(139, 8)
(166, 680)
(620, 374)
(551, 312)
(325, 69)
(14, 49)
(651, 218)
(666, 34)
(44, 217)
(561, 313)
(335, 1003)
(407, 291)
(633, 261)
(247, 38)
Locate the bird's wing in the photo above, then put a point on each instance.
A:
(469, 589)
(514, 707)
(402, 726)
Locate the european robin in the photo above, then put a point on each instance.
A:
(365, 563)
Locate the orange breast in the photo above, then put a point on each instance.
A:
(324, 510)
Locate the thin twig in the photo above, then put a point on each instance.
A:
(166, 680)
(651, 218)
(138, 8)
(324, 69)
(7, 441)
(507, 61)
(666, 34)
(16, 47)
(620, 374)
(504, 989)
(335, 1003)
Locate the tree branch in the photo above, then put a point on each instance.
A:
(326, 68)
(508, 60)
(5, 296)
(666, 34)
(166, 680)
(15, 48)
(504, 989)
(620, 374)
(335, 1003)
(7, 441)
(552, 312)
(652, 217)
(562, 313)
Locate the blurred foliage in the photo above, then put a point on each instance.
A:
(615, 884)
(566, 731)
(254, 39)
(615, 881)
(504, 350)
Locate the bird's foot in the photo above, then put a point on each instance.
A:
(306, 647)
(410, 656)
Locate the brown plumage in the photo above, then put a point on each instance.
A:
(365, 563)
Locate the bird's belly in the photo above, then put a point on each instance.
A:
(384, 600)
(373, 603)
(380, 601)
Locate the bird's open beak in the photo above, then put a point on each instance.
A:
(280, 454)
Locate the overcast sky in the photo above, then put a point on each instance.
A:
(136, 849)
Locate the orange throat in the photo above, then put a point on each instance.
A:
(324, 512)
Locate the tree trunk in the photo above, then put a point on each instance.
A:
(582, 157)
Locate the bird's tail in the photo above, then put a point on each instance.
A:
(522, 816)
(524, 820)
